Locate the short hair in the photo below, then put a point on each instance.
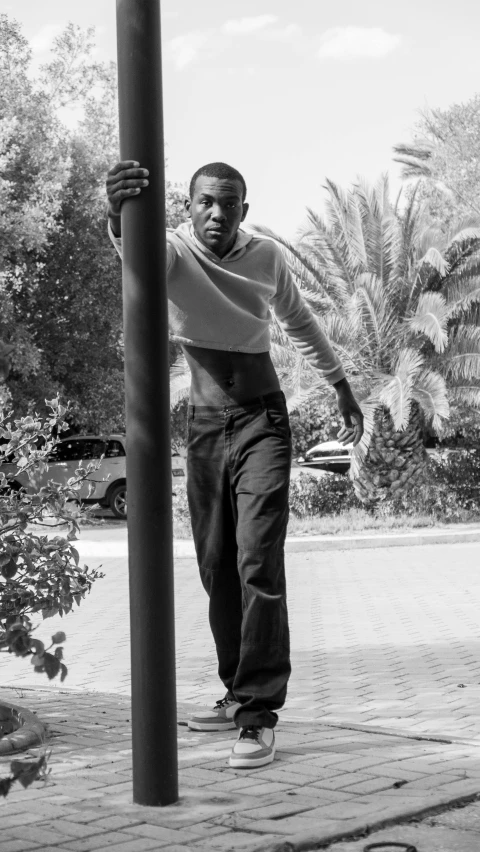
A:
(218, 170)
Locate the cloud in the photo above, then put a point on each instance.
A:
(241, 26)
(353, 42)
(185, 48)
(287, 33)
(42, 41)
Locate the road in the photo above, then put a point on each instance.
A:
(384, 637)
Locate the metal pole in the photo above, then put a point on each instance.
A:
(149, 478)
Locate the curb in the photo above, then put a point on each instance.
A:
(89, 548)
(307, 842)
(31, 732)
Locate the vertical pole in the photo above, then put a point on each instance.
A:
(150, 540)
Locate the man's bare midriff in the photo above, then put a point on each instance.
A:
(229, 378)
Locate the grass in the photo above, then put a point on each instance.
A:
(359, 521)
(352, 521)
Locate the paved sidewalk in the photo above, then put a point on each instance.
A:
(386, 638)
(327, 784)
(385, 649)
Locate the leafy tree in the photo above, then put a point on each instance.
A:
(33, 168)
(398, 300)
(444, 156)
(60, 288)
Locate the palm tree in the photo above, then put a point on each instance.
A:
(399, 301)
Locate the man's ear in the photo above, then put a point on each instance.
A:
(245, 211)
(187, 203)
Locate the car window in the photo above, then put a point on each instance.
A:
(76, 449)
(92, 448)
(115, 449)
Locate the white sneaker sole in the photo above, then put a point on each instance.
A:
(242, 762)
(211, 726)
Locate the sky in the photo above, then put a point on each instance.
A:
(290, 93)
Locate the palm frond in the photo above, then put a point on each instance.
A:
(395, 391)
(346, 225)
(461, 294)
(435, 259)
(431, 319)
(415, 159)
(468, 394)
(371, 313)
(461, 361)
(430, 391)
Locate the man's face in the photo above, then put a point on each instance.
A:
(216, 210)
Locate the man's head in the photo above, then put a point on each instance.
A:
(217, 205)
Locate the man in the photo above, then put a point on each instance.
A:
(222, 285)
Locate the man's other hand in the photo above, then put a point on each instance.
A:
(124, 180)
(351, 413)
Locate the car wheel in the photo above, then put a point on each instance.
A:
(118, 501)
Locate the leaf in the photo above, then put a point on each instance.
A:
(52, 665)
(396, 392)
(27, 771)
(431, 317)
(9, 569)
(434, 258)
(5, 784)
(64, 671)
(430, 391)
(59, 637)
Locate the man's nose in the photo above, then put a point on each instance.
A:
(218, 214)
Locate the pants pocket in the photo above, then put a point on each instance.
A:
(279, 421)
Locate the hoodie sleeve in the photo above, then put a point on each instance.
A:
(302, 327)
(117, 242)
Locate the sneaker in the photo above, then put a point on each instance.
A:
(255, 747)
(220, 718)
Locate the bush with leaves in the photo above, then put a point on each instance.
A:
(449, 489)
(330, 495)
(39, 573)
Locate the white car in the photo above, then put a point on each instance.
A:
(331, 456)
(109, 479)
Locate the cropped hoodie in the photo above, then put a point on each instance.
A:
(226, 303)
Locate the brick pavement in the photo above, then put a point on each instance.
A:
(327, 783)
(383, 638)
(380, 639)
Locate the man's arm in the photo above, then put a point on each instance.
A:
(302, 327)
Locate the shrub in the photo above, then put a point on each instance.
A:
(38, 573)
(328, 495)
(448, 489)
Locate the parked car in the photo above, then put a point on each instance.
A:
(109, 479)
(330, 456)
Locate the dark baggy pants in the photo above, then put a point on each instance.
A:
(238, 467)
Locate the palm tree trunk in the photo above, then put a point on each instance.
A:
(394, 460)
